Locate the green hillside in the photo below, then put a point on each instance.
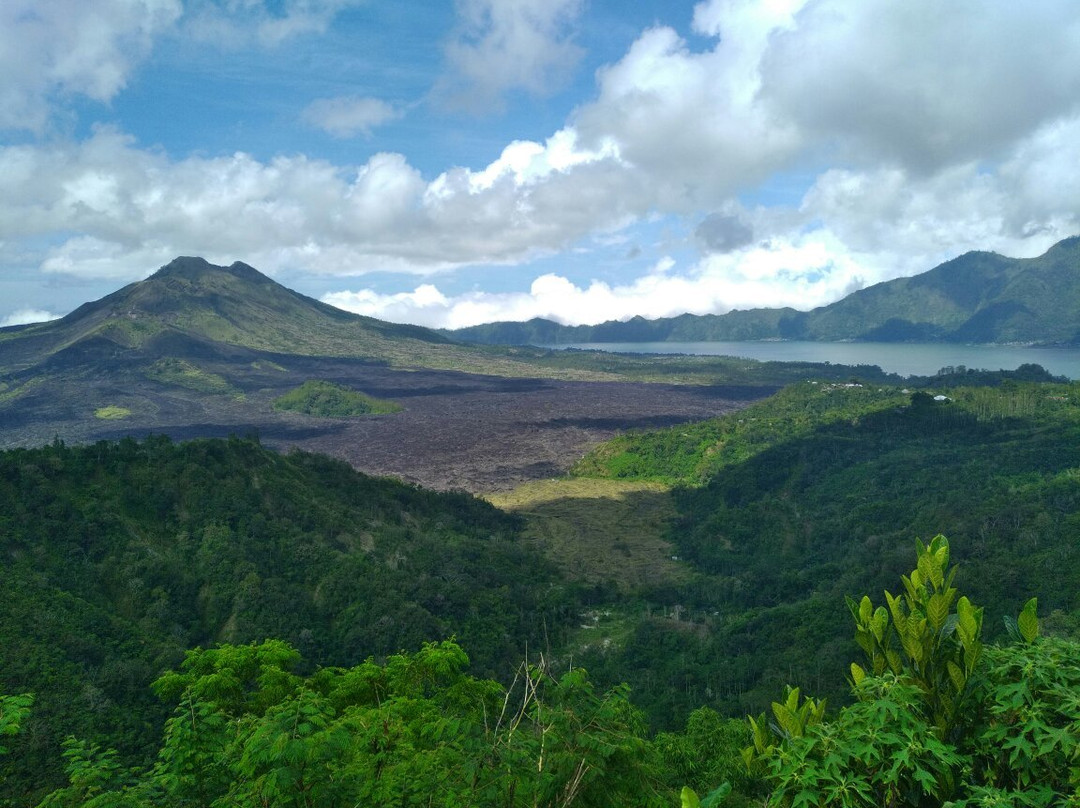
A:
(190, 300)
(194, 312)
(790, 505)
(118, 557)
(121, 556)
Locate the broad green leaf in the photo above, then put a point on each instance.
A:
(1028, 621)
(857, 673)
(937, 611)
(689, 798)
(880, 624)
(866, 608)
(956, 676)
(716, 796)
(966, 625)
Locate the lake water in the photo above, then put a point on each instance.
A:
(906, 359)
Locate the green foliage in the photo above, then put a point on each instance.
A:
(96, 779)
(414, 731)
(816, 500)
(330, 400)
(119, 556)
(878, 751)
(13, 710)
(904, 741)
(706, 752)
(690, 798)
(936, 648)
(691, 454)
(1025, 741)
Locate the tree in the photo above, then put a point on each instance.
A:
(416, 730)
(905, 741)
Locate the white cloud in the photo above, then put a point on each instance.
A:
(905, 150)
(348, 116)
(691, 120)
(800, 274)
(504, 45)
(52, 51)
(126, 203)
(26, 316)
(238, 23)
(922, 83)
(56, 49)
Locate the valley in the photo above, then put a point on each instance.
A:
(661, 541)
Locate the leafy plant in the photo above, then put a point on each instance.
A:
(13, 710)
(414, 731)
(920, 637)
(905, 741)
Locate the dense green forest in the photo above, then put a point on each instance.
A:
(246, 627)
(788, 506)
(118, 557)
(938, 718)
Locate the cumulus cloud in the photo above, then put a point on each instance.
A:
(27, 316)
(911, 132)
(503, 45)
(802, 274)
(53, 51)
(127, 204)
(691, 120)
(921, 83)
(348, 116)
(64, 48)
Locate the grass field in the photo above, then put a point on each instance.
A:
(600, 531)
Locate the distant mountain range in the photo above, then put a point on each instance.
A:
(979, 297)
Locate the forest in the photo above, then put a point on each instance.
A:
(214, 623)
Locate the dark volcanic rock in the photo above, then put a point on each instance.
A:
(457, 431)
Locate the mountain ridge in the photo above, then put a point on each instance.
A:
(977, 297)
(237, 306)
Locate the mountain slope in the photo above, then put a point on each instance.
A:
(979, 297)
(818, 493)
(120, 556)
(235, 305)
(198, 350)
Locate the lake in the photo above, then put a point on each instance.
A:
(906, 359)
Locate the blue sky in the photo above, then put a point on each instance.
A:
(448, 163)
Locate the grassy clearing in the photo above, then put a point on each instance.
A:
(10, 392)
(600, 531)
(112, 413)
(181, 373)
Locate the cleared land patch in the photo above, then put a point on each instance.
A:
(600, 531)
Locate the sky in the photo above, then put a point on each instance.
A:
(453, 162)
